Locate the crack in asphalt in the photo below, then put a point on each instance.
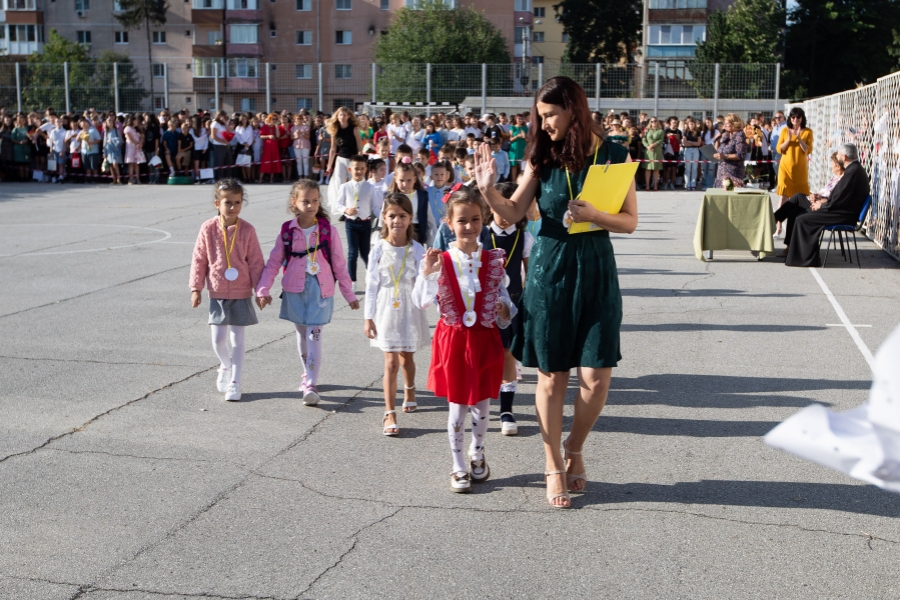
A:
(355, 538)
(94, 362)
(140, 457)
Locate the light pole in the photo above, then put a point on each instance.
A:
(526, 70)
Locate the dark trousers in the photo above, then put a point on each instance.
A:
(222, 157)
(359, 236)
(789, 211)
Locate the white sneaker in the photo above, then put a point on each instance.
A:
(460, 483)
(233, 393)
(171, 171)
(311, 396)
(223, 379)
(509, 428)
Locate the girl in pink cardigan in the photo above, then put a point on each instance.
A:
(228, 260)
(310, 253)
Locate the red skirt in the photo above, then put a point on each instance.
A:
(271, 157)
(466, 363)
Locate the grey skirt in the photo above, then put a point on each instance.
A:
(238, 313)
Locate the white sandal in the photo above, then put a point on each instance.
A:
(552, 497)
(411, 405)
(395, 427)
(573, 477)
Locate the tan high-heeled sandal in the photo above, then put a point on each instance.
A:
(552, 497)
(572, 477)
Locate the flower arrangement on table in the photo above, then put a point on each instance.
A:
(728, 184)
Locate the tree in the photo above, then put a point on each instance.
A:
(433, 33)
(745, 40)
(91, 80)
(833, 45)
(143, 13)
(606, 31)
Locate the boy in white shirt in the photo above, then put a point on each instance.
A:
(442, 179)
(359, 203)
(57, 143)
(502, 159)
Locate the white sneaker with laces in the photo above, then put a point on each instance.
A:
(223, 379)
(233, 393)
(460, 483)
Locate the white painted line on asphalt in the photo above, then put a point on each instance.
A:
(851, 329)
(842, 325)
(166, 235)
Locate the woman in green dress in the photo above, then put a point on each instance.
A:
(653, 150)
(571, 310)
(22, 138)
(518, 133)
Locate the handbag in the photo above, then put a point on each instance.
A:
(155, 161)
(243, 160)
(76, 161)
(51, 164)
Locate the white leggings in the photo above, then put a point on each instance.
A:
(456, 427)
(302, 162)
(235, 361)
(309, 346)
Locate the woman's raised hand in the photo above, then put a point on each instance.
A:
(485, 167)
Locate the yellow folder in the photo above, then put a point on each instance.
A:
(605, 188)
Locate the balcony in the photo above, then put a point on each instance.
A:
(243, 16)
(245, 84)
(208, 5)
(22, 17)
(14, 48)
(18, 5)
(243, 49)
(208, 50)
(207, 17)
(677, 15)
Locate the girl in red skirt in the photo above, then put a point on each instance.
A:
(467, 354)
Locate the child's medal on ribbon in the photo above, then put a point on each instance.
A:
(231, 274)
(312, 267)
(469, 318)
(506, 280)
(396, 302)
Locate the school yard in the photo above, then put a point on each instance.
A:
(124, 476)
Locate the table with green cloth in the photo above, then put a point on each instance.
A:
(734, 221)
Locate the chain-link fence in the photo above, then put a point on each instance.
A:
(249, 84)
(868, 117)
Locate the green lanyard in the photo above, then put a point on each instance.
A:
(569, 180)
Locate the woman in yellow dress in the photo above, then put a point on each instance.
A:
(795, 146)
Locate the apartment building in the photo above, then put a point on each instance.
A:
(547, 37)
(672, 28)
(21, 26)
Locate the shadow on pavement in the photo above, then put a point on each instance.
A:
(861, 499)
(707, 293)
(714, 327)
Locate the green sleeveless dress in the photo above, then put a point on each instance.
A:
(571, 310)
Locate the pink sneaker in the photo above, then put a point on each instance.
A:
(311, 396)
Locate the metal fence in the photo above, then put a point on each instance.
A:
(869, 117)
(248, 84)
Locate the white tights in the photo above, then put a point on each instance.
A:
(234, 361)
(303, 163)
(456, 426)
(309, 346)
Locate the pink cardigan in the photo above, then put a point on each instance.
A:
(208, 263)
(294, 279)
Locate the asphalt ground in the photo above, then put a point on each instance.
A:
(124, 475)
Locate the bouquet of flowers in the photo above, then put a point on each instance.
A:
(728, 184)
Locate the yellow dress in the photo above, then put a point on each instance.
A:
(793, 172)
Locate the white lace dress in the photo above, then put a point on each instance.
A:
(406, 329)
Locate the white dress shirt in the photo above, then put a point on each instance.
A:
(527, 238)
(361, 196)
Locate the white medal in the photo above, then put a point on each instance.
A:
(231, 274)
(506, 280)
(312, 267)
(396, 303)
(469, 318)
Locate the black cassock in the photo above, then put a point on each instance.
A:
(804, 226)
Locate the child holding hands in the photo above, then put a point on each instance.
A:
(228, 259)
(467, 354)
(393, 323)
(310, 252)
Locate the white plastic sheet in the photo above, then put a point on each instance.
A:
(863, 442)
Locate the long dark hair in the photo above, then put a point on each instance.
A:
(572, 150)
(402, 202)
(797, 112)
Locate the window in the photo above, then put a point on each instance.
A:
(304, 4)
(304, 103)
(565, 38)
(344, 38)
(343, 4)
(417, 4)
(159, 70)
(385, 4)
(244, 34)
(243, 67)
(248, 104)
(121, 37)
(187, 33)
(212, 37)
(339, 102)
(304, 38)
(523, 5)
(209, 4)
(19, 5)
(158, 102)
(242, 5)
(537, 60)
(205, 67)
(159, 37)
(537, 36)
(116, 6)
(676, 35)
(304, 71)
(670, 4)
(540, 11)
(83, 37)
(82, 4)
(342, 72)
(272, 33)
(519, 34)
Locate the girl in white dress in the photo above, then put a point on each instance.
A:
(393, 323)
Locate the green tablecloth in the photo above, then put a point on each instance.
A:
(735, 221)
